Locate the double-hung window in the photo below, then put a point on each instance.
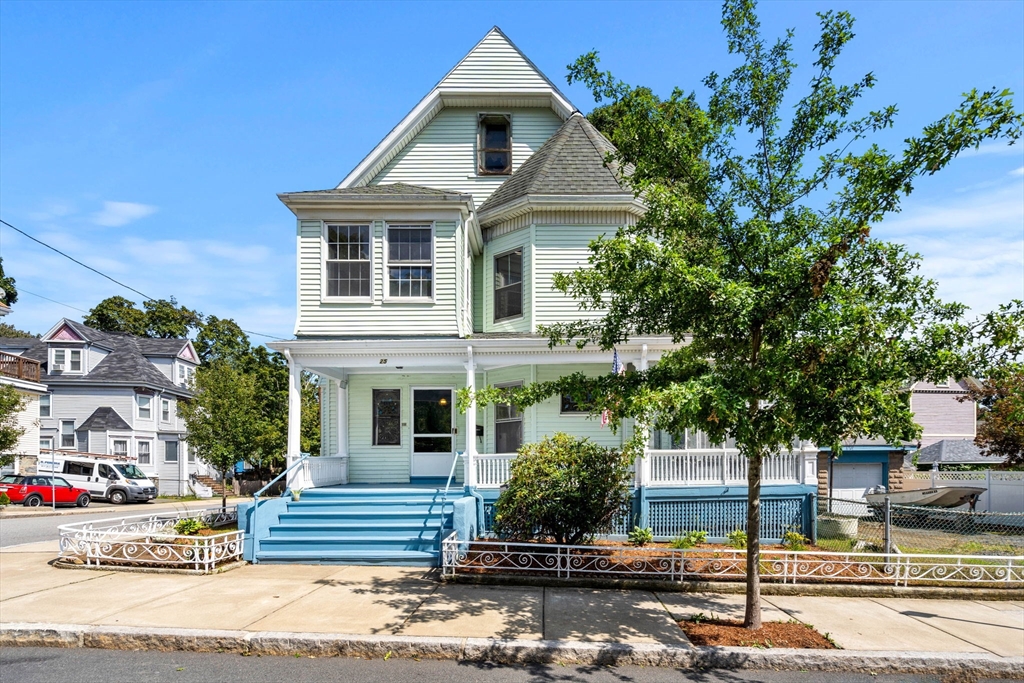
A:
(67, 434)
(121, 447)
(411, 261)
(76, 360)
(508, 424)
(145, 452)
(145, 406)
(508, 285)
(165, 410)
(494, 144)
(349, 269)
(387, 417)
(44, 405)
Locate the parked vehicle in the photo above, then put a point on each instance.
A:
(112, 478)
(35, 490)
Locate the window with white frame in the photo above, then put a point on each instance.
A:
(46, 443)
(120, 447)
(67, 434)
(165, 410)
(508, 285)
(145, 452)
(349, 268)
(170, 451)
(410, 261)
(387, 417)
(44, 405)
(75, 364)
(508, 424)
(145, 404)
(494, 144)
(60, 357)
(189, 453)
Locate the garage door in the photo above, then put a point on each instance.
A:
(850, 481)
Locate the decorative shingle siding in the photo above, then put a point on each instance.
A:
(443, 154)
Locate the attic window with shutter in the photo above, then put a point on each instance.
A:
(494, 144)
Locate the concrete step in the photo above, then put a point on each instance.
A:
(423, 507)
(415, 558)
(322, 543)
(405, 493)
(370, 517)
(379, 530)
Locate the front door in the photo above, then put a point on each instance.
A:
(433, 436)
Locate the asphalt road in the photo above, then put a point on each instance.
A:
(46, 665)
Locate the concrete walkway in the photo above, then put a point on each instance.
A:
(412, 602)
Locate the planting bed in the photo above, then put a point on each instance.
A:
(728, 633)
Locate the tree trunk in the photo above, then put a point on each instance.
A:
(752, 615)
(224, 490)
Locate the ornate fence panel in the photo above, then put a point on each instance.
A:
(718, 517)
(727, 564)
(150, 540)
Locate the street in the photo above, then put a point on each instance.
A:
(45, 665)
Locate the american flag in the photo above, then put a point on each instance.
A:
(617, 369)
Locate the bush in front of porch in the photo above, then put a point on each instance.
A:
(564, 488)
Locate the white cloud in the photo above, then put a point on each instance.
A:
(115, 214)
(1017, 171)
(999, 148)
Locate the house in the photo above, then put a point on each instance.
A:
(109, 393)
(24, 375)
(429, 268)
(866, 464)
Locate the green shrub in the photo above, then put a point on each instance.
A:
(4, 499)
(640, 537)
(737, 539)
(563, 488)
(794, 540)
(689, 540)
(189, 527)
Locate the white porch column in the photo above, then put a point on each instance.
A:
(342, 417)
(809, 466)
(643, 465)
(294, 443)
(470, 461)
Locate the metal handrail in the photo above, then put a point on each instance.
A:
(451, 474)
(256, 501)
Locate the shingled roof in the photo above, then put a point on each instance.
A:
(571, 162)
(126, 363)
(394, 191)
(954, 451)
(103, 419)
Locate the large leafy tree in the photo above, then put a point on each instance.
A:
(8, 292)
(12, 402)
(756, 253)
(161, 318)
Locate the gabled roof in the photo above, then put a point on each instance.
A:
(570, 164)
(103, 419)
(495, 69)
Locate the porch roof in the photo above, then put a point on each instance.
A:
(335, 357)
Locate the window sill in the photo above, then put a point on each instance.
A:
(510, 319)
(346, 299)
(408, 300)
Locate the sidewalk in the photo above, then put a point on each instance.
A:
(400, 601)
(128, 510)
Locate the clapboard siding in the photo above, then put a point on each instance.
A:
(478, 294)
(941, 415)
(443, 154)
(497, 247)
(494, 65)
(559, 249)
(379, 316)
(370, 464)
(549, 417)
(28, 420)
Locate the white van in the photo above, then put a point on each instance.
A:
(112, 478)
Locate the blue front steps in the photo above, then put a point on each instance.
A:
(397, 526)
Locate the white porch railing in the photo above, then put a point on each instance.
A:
(693, 467)
(322, 470)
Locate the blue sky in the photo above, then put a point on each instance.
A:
(150, 140)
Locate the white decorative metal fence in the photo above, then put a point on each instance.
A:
(151, 541)
(618, 562)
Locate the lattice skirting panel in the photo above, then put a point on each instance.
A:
(718, 517)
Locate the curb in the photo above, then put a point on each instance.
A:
(499, 651)
(118, 511)
(739, 588)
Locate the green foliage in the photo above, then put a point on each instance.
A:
(737, 539)
(9, 295)
(698, 617)
(4, 499)
(563, 488)
(8, 330)
(160, 318)
(689, 540)
(12, 402)
(189, 527)
(794, 540)
(640, 537)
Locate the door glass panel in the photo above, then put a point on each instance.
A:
(432, 412)
(432, 444)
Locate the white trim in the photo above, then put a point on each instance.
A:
(325, 251)
(138, 406)
(522, 286)
(412, 426)
(138, 459)
(545, 202)
(386, 257)
(373, 435)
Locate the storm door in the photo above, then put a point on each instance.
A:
(433, 433)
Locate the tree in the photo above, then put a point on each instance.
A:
(796, 323)
(12, 402)
(160, 318)
(8, 292)
(7, 330)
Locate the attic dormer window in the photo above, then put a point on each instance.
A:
(495, 144)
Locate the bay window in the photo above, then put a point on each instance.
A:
(349, 268)
(508, 285)
(410, 261)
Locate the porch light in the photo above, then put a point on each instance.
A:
(443, 401)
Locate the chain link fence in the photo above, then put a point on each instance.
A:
(857, 526)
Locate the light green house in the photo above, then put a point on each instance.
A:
(430, 268)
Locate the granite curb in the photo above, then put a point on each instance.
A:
(501, 651)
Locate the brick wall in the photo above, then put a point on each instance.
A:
(895, 482)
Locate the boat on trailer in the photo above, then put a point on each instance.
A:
(938, 496)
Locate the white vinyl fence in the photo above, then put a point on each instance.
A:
(1004, 491)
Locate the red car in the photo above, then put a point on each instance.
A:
(35, 490)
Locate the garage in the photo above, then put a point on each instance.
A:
(850, 481)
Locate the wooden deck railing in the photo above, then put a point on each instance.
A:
(18, 367)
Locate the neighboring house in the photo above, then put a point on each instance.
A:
(866, 464)
(953, 452)
(24, 375)
(430, 268)
(114, 394)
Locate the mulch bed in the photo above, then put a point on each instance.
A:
(728, 633)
